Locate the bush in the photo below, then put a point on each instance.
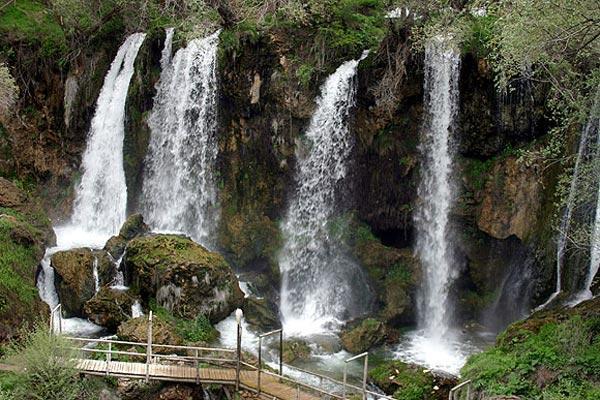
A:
(46, 370)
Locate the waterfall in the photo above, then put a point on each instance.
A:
(179, 192)
(565, 223)
(317, 277)
(101, 197)
(165, 58)
(435, 189)
(592, 125)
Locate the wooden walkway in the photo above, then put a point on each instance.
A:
(270, 385)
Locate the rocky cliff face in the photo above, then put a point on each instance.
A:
(263, 109)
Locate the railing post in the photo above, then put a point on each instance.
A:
(108, 357)
(149, 346)
(345, 376)
(238, 317)
(60, 319)
(281, 352)
(365, 373)
(259, 361)
(197, 355)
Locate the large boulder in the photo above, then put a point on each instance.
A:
(295, 350)
(136, 330)
(74, 277)
(367, 334)
(259, 314)
(133, 227)
(183, 277)
(109, 307)
(410, 381)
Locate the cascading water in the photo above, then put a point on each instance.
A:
(101, 198)
(100, 201)
(179, 192)
(165, 58)
(434, 344)
(435, 190)
(592, 125)
(565, 223)
(317, 277)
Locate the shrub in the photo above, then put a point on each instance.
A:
(45, 366)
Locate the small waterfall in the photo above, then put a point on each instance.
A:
(136, 309)
(593, 125)
(165, 58)
(96, 275)
(317, 278)
(435, 189)
(179, 192)
(100, 202)
(565, 223)
(119, 282)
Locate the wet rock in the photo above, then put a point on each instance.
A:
(367, 334)
(403, 380)
(136, 330)
(179, 392)
(511, 200)
(183, 276)
(133, 227)
(295, 350)
(109, 307)
(74, 279)
(259, 313)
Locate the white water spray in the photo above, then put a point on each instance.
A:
(179, 192)
(165, 58)
(435, 189)
(317, 278)
(101, 198)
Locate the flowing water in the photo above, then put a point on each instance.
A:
(592, 125)
(317, 277)
(435, 344)
(100, 202)
(101, 197)
(179, 192)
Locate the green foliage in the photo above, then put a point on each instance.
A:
(197, 330)
(478, 34)
(477, 172)
(46, 367)
(405, 381)
(17, 262)
(566, 355)
(30, 21)
(304, 73)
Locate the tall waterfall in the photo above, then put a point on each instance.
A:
(101, 198)
(435, 189)
(317, 278)
(593, 125)
(565, 223)
(179, 192)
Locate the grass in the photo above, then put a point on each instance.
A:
(31, 21)
(561, 361)
(17, 263)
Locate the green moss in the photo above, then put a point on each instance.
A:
(406, 382)
(193, 331)
(17, 263)
(304, 74)
(565, 356)
(32, 22)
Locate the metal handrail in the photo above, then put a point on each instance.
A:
(456, 390)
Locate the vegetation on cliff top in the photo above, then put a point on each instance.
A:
(545, 357)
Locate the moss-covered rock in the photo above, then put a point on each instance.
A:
(25, 231)
(295, 350)
(109, 307)
(133, 226)
(136, 330)
(259, 313)
(74, 279)
(367, 334)
(552, 354)
(182, 276)
(411, 382)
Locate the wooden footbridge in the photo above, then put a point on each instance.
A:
(214, 365)
(208, 365)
